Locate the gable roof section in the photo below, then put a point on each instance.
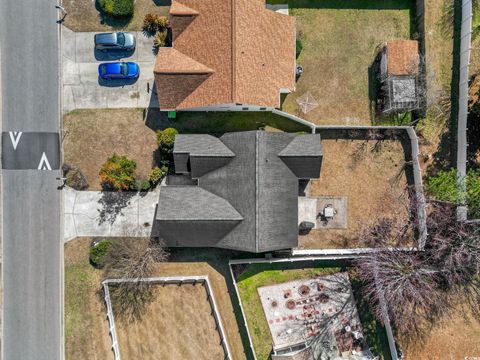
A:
(177, 8)
(303, 145)
(194, 204)
(250, 49)
(402, 57)
(201, 145)
(172, 61)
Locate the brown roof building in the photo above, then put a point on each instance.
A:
(225, 52)
(399, 76)
(402, 57)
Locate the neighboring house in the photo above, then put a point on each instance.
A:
(239, 191)
(399, 77)
(226, 55)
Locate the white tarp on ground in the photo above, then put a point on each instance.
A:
(97, 213)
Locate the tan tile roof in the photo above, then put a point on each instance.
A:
(250, 49)
(172, 61)
(181, 10)
(402, 57)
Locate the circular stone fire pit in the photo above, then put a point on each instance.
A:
(304, 290)
(290, 304)
(323, 298)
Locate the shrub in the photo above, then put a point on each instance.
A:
(76, 179)
(162, 23)
(166, 139)
(117, 8)
(150, 23)
(142, 185)
(160, 39)
(98, 253)
(157, 174)
(118, 173)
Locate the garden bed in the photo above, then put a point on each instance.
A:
(250, 277)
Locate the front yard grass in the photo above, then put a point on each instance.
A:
(86, 327)
(258, 275)
(340, 40)
(94, 135)
(86, 15)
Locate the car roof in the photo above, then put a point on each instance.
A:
(106, 38)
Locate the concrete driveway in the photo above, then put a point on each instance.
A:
(82, 88)
(97, 213)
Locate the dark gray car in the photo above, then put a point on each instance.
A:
(115, 41)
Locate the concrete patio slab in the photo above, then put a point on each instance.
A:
(339, 221)
(97, 213)
(82, 88)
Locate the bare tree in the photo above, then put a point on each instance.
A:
(419, 285)
(133, 260)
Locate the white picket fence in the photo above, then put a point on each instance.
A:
(167, 280)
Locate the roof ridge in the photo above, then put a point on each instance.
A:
(233, 55)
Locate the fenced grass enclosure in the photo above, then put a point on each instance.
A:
(166, 281)
(249, 274)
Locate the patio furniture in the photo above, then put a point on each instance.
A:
(329, 212)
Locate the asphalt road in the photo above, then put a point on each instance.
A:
(32, 252)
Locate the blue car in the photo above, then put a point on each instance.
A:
(118, 70)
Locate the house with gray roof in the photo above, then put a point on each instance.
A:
(241, 191)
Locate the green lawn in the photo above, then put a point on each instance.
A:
(221, 122)
(258, 275)
(340, 40)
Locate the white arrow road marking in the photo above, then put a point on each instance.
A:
(44, 164)
(15, 137)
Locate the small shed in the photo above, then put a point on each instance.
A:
(399, 77)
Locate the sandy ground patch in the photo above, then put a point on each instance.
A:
(177, 325)
(372, 181)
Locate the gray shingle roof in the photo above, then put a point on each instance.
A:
(194, 203)
(256, 183)
(303, 145)
(201, 145)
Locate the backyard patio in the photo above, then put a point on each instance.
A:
(363, 182)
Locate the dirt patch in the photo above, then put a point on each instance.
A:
(86, 15)
(177, 325)
(454, 337)
(94, 135)
(370, 175)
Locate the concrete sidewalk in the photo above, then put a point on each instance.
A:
(82, 88)
(97, 213)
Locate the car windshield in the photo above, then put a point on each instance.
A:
(121, 39)
(124, 69)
